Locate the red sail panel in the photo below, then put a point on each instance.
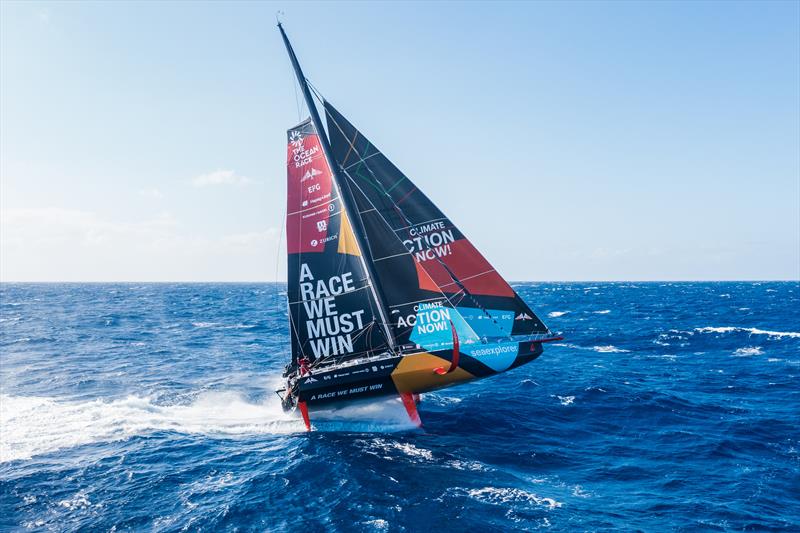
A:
(310, 194)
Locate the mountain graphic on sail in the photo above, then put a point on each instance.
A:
(332, 308)
(444, 260)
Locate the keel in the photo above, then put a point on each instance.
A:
(304, 411)
(411, 408)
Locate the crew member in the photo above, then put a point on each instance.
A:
(304, 366)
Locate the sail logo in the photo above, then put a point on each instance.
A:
(310, 174)
(328, 331)
(296, 139)
(300, 155)
(315, 242)
(524, 316)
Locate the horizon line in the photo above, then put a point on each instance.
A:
(509, 281)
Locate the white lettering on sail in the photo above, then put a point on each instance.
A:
(427, 246)
(300, 155)
(428, 317)
(329, 332)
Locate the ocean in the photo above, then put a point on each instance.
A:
(667, 407)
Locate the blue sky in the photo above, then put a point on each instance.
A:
(569, 141)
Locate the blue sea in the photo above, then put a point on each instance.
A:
(667, 407)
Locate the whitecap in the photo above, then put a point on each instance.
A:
(377, 525)
(510, 496)
(566, 400)
(748, 351)
(556, 314)
(383, 448)
(603, 312)
(609, 349)
(751, 331)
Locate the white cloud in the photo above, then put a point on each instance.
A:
(42, 244)
(221, 177)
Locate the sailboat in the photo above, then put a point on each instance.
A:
(386, 295)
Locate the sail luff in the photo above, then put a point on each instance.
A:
(347, 199)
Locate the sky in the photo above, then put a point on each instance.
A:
(569, 141)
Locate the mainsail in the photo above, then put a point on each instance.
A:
(334, 309)
(445, 263)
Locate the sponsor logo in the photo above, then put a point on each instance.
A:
(310, 174)
(495, 350)
(300, 155)
(322, 225)
(305, 203)
(296, 139)
(314, 242)
(523, 316)
(331, 207)
(311, 379)
(321, 198)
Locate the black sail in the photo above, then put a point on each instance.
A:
(444, 261)
(333, 310)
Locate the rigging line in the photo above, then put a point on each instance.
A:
(277, 265)
(373, 285)
(294, 86)
(411, 224)
(443, 295)
(408, 221)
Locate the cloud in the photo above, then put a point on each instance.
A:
(221, 177)
(41, 244)
(151, 192)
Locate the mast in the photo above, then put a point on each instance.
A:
(348, 202)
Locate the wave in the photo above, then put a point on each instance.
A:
(751, 331)
(556, 314)
(37, 425)
(609, 349)
(603, 312)
(602, 349)
(748, 351)
(566, 400)
(505, 496)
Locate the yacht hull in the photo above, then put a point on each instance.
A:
(411, 373)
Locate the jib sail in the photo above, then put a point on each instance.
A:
(420, 314)
(444, 261)
(333, 307)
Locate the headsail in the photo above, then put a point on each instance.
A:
(332, 306)
(444, 260)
